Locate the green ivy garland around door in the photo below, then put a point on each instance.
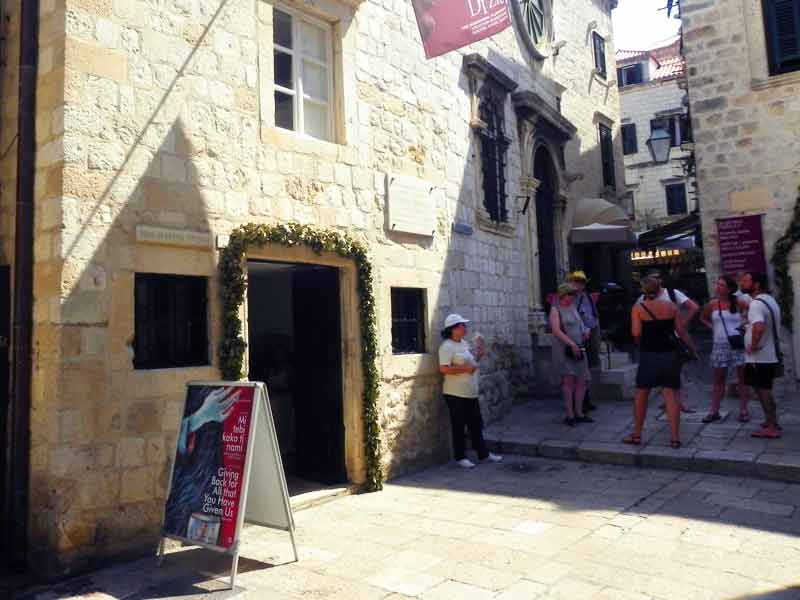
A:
(780, 261)
(233, 280)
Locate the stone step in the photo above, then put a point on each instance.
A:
(615, 360)
(624, 376)
(777, 467)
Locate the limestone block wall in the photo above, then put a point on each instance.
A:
(163, 115)
(646, 179)
(746, 122)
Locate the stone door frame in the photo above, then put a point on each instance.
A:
(352, 371)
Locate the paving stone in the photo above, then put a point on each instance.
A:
(449, 590)
(608, 453)
(666, 458)
(777, 466)
(558, 449)
(523, 590)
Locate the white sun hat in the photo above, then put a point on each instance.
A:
(454, 319)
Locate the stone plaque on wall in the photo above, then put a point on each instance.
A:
(146, 234)
(411, 205)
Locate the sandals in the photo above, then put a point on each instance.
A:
(769, 434)
(778, 427)
(712, 418)
(633, 440)
(584, 419)
(569, 421)
(674, 444)
(744, 417)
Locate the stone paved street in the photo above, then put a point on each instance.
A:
(724, 447)
(528, 528)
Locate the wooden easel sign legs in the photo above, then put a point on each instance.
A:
(226, 469)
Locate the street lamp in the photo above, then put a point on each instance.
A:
(659, 143)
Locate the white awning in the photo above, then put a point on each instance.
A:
(597, 221)
(598, 233)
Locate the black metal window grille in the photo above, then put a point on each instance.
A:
(607, 154)
(630, 145)
(599, 45)
(171, 321)
(676, 199)
(494, 146)
(408, 321)
(782, 24)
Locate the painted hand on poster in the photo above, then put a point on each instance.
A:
(216, 407)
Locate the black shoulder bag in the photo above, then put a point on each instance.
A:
(736, 341)
(685, 353)
(779, 370)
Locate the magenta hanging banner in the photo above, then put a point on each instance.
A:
(741, 245)
(446, 25)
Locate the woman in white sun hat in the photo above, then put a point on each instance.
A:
(459, 366)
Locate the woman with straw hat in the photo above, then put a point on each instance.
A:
(569, 354)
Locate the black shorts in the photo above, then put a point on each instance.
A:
(760, 375)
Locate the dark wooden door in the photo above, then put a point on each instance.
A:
(5, 334)
(317, 375)
(545, 223)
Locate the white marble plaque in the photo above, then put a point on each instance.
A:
(411, 205)
(146, 234)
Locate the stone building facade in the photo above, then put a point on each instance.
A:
(652, 95)
(746, 120)
(161, 127)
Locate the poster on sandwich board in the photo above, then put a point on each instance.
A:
(226, 469)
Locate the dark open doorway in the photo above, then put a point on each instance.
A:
(295, 344)
(544, 171)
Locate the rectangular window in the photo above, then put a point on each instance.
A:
(171, 322)
(599, 45)
(494, 147)
(685, 128)
(676, 199)
(630, 75)
(303, 85)
(782, 24)
(408, 321)
(607, 154)
(629, 143)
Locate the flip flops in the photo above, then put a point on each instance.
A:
(633, 440)
(711, 418)
(770, 434)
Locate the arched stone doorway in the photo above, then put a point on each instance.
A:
(544, 172)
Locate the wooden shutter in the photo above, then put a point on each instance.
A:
(783, 35)
(676, 199)
(630, 144)
(607, 154)
(599, 54)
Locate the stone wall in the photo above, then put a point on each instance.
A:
(646, 179)
(746, 123)
(165, 118)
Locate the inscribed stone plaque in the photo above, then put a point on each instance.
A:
(741, 245)
(147, 234)
(411, 205)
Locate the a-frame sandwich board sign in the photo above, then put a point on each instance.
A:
(226, 469)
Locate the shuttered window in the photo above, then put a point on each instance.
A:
(676, 199)
(607, 154)
(599, 44)
(630, 75)
(171, 323)
(782, 20)
(629, 143)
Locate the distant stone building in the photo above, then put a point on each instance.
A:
(162, 127)
(652, 94)
(743, 71)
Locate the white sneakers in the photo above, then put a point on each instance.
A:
(466, 463)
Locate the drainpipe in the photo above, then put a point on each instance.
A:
(21, 368)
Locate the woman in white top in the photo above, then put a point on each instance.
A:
(460, 369)
(723, 316)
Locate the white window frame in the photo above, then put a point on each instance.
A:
(298, 94)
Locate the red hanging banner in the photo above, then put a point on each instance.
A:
(446, 25)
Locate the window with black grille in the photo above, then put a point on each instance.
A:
(607, 154)
(629, 143)
(599, 45)
(676, 199)
(782, 24)
(408, 321)
(171, 321)
(494, 146)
